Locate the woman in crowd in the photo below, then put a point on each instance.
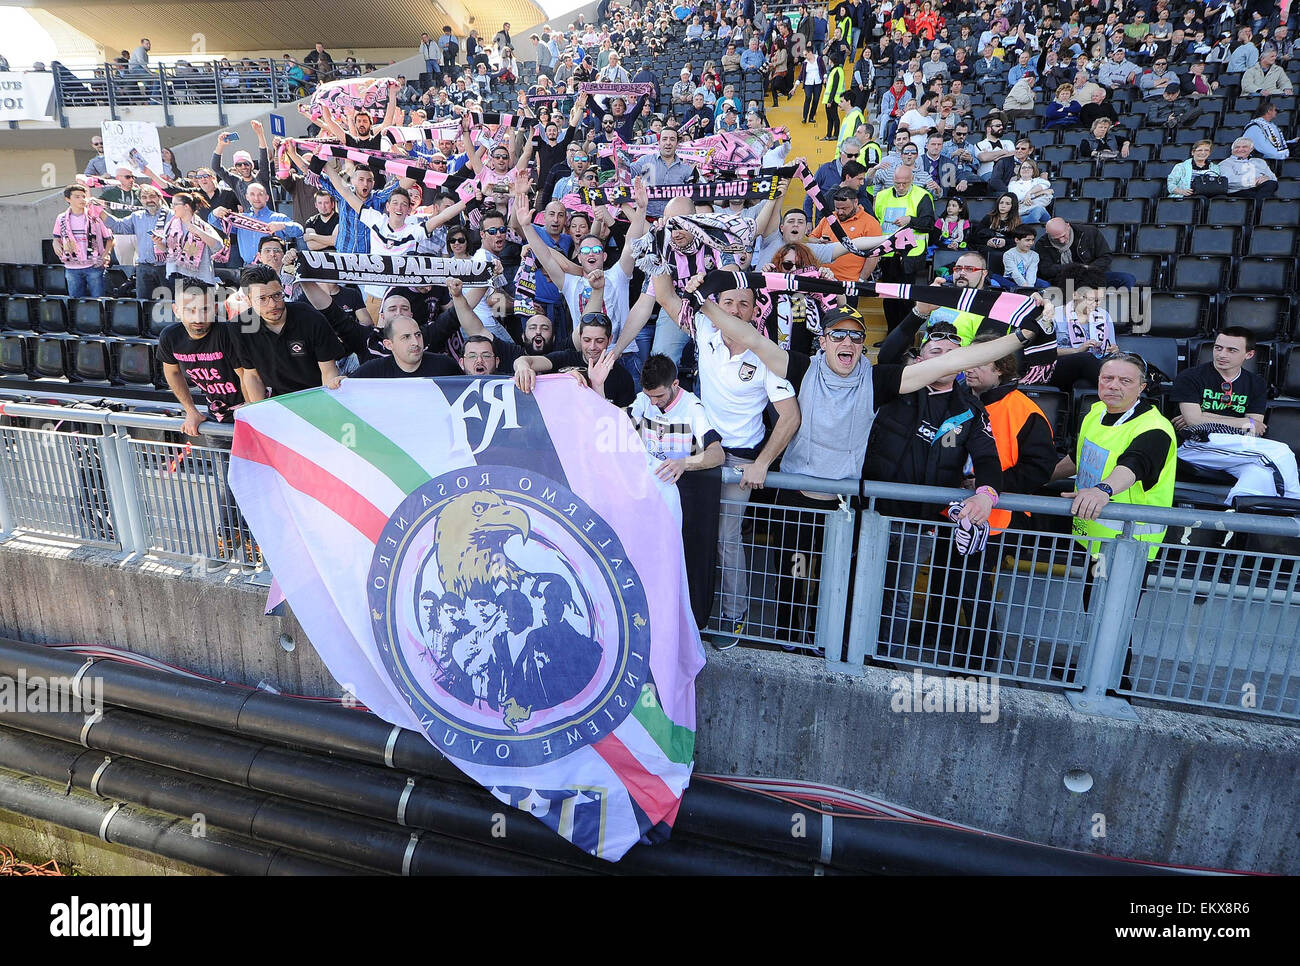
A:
(778, 67)
(992, 234)
(1181, 181)
(188, 242)
(1034, 191)
(1063, 111)
(954, 234)
(1103, 142)
(812, 74)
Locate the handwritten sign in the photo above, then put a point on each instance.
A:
(123, 137)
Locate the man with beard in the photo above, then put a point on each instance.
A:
(484, 354)
(150, 274)
(554, 234)
(287, 346)
(605, 373)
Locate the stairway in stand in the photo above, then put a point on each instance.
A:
(808, 144)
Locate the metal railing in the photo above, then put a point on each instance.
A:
(1209, 623)
(112, 86)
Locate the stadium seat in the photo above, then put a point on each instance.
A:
(1159, 239)
(125, 318)
(159, 317)
(51, 316)
(1056, 154)
(13, 354)
(1141, 153)
(1200, 273)
(1125, 211)
(1178, 211)
(1178, 315)
(979, 208)
(23, 279)
(1275, 240)
(1173, 153)
(1098, 189)
(1113, 234)
(1149, 188)
(1053, 403)
(88, 316)
(1145, 268)
(54, 280)
(135, 365)
(1076, 171)
(91, 362)
(1263, 275)
(1158, 170)
(1280, 211)
(51, 359)
(1264, 315)
(20, 313)
(1283, 423)
(1214, 240)
(1160, 354)
(1288, 190)
(1078, 210)
(1288, 373)
(1228, 211)
(1150, 137)
(1121, 168)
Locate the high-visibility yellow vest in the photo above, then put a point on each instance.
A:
(1098, 451)
(889, 208)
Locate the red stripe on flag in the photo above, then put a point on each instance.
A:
(647, 789)
(306, 477)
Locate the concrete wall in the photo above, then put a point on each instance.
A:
(1173, 787)
(32, 170)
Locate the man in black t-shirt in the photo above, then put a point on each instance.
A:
(321, 230)
(286, 347)
(1221, 421)
(344, 308)
(610, 379)
(481, 354)
(199, 348)
(403, 338)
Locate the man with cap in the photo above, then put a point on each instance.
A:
(683, 90)
(1158, 79)
(728, 121)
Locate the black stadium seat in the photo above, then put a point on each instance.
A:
(1288, 382)
(1263, 275)
(1275, 240)
(1214, 240)
(125, 318)
(1149, 188)
(51, 360)
(23, 279)
(13, 354)
(135, 365)
(1229, 211)
(1283, 423)
(158, 318)
(54, 280)
(1126, 211)
(1178, 211)
(1264, 315)
(20, 313)
(52, 316)
(1200, 273)
(1280, 211)
(91, 361)
(1159, 239)
(1178, 315)
(1160, 354)
(1145, 268)
(88, 316)
(1077, 210)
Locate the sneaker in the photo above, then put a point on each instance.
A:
(726, 640)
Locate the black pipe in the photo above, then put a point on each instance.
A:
(149, 831)
(454, 811)
(362, 844)
(709, 810)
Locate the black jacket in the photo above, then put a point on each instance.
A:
(898, 451)
(1088, 248)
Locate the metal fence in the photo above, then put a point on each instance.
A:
(1212, 622)
(247, 81)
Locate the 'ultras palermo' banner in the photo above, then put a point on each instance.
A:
(499, 572)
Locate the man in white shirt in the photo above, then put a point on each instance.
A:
(993, 148)
(920, 123)
(736, 388)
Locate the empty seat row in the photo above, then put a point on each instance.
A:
(120, 317)
(132, 364)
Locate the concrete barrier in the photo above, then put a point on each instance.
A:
(1193, 789)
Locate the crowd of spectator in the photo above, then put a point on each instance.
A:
(996, 117)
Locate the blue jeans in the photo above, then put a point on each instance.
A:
(148, 279)
(669, 340)
(1121, 279)
(86, 283)
(1035, 215)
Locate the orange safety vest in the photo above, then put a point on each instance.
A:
(1007, 417)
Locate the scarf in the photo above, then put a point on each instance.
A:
(183, 247)
(347, 268)
(748, 190)
(654, 251)
(95, 230)
(616, 90)
(461, 184)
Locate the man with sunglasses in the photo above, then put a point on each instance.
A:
(831, 175)
(97, 166)
(243, 175)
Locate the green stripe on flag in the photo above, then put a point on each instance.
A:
(338, 422)
(676, 741)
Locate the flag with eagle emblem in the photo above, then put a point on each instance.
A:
(496, 570)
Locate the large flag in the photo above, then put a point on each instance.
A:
(496, 570)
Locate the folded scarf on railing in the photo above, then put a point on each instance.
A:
(374, 269)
